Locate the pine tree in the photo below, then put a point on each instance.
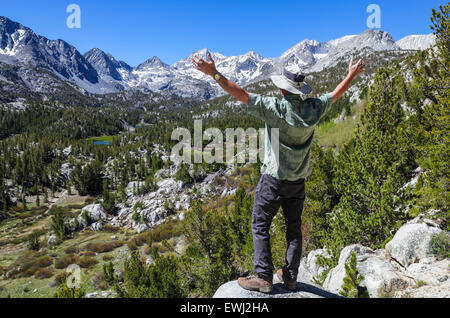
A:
(108, 273)
(158, 280)
(64, 291)
(351, 287)
(45, 196)
(58, 225)
(108, 202)
(33, 241)
(370, 171)
(427, 129)
(24, 202)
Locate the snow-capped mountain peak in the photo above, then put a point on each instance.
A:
(417, 42)
(151, 63)
(99, 72)
(106, 65)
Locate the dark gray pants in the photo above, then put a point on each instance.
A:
(270, 194)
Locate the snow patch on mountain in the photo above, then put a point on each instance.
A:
(417, 42)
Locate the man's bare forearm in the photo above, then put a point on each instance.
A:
(353, 72)
(209, 68)
(342, 87)
(233, 89)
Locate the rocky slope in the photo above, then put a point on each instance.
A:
(141, 212)
(19, 44)
(406, 267)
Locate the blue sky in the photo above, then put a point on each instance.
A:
(134, 30)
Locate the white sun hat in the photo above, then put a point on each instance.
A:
(291, 80)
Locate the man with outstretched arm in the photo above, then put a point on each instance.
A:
(286, 165)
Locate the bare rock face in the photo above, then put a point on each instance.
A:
(378, 273)
(432, 279)
(97, 226)
(51, 240)
(91, 214)
(412, 241)
(233, 290)
(65, 172)
(309, 268)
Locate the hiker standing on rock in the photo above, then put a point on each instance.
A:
(286, 168)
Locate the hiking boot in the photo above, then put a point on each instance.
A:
(256, 284)
(289, 284)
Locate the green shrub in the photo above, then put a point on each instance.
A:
(44, 261)
(148, 250)
(65, 291)
(110, 228)
(25, 265)
(87, 261)
(132, 245)
(61, 277)
(103, 247)
(58, 224)
(98, 281)
(351, 287)
(166, 231)
(88, 253)
(158, 280)
(107, 257)
(43, 273)
(183, 174)
(33, 241)
(108, 273)
(72, 250)
(440, 245)
(66, 261)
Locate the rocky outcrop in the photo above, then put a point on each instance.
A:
(309, 267)
(412, 242)
(141, 212)
(233, 290)
(405, 268)
(379, 274)
(92, 216)
(65, 172)
(431, 277)
(52, 240)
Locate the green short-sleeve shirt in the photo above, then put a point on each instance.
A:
(295, 119)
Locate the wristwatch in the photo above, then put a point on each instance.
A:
(217, 76)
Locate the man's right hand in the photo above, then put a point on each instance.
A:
(358, 68)
(353, 72)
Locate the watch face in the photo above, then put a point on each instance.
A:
(217, 77)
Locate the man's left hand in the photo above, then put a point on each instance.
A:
(209, 68)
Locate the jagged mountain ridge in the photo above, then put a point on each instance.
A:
(20, 45)
(99, 72)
